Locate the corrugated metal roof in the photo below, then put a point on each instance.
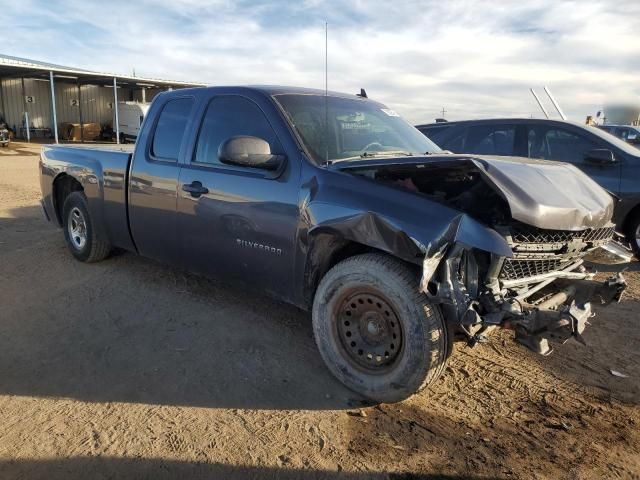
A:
(29, 64)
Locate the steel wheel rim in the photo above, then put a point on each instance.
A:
(637, 236)
(369, 330)
(77, 228)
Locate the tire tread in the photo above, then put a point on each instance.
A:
(432, 321)
(100, 247)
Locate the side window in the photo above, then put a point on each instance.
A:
(456, 143)
(491, 139)
(229, 116)
(624, 133)
(558, 144)
(170, 129)
(437, 134)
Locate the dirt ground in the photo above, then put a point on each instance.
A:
(132, 369)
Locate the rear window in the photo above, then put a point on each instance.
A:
(170, 129)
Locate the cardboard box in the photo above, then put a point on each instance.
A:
(72, 131)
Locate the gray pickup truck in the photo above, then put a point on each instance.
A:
(337, 205)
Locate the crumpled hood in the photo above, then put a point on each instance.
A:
(546, 194)
(541, 193)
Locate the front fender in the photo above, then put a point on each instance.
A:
(409, 242)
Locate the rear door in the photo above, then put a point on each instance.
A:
(153, 184)
(565, 144)
(243, 223)
(490, 139)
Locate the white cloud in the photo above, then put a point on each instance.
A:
(476, 59)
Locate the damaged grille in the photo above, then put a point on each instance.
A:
(538, 251)
(514, 269)
(527, 234)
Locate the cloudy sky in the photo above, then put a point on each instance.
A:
(474, 58)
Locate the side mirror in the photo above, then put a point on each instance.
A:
(252, 152)
(633, 138)
(600, 156)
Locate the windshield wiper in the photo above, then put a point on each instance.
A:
(390, 153)
(386, 153)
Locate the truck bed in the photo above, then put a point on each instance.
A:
(102, 171)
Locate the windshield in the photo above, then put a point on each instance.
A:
(336, 128)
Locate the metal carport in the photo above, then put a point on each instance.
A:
(71, 93)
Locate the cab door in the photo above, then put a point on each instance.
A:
(238, 222)
(153, 183)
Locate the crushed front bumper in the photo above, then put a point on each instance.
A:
(564, 315)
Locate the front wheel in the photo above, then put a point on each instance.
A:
(632, 232)
(375, 331)
(83, 240)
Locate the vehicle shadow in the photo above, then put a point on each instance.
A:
(130, 329)
(158, 469)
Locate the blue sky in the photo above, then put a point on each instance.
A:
(474, 58)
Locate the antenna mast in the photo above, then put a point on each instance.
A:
(326, 91)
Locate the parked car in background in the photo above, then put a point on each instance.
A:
(628, 133)
(130, 118)
(613, 163)
(4, 135)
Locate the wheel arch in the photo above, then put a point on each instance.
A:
(629, 217)
(63, 185)
(326, 249)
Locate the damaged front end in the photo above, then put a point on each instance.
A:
(513, 255)
(543, 292)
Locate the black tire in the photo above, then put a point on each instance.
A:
(95, 247)
(631, 232)
(421, 355)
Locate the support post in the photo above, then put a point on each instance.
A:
(144, 94)
(26, 121)
(115, 108)
(4, 108)
(80, 112)
(25, 116)
(53, 106)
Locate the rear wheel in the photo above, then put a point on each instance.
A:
(84, 242)
(375, 331)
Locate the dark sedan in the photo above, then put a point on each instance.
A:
(613, 163)
(628, 133)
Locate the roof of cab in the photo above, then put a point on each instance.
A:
(498, 120)
(270, 90)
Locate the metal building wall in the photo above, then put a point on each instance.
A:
(97, 102)
(66, 94)
(39, 111)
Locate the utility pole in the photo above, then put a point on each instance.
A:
(443, 112)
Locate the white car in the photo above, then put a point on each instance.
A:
(130, 118)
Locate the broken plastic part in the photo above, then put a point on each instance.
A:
(429, 267)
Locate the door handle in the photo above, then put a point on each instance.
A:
(195, 189)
